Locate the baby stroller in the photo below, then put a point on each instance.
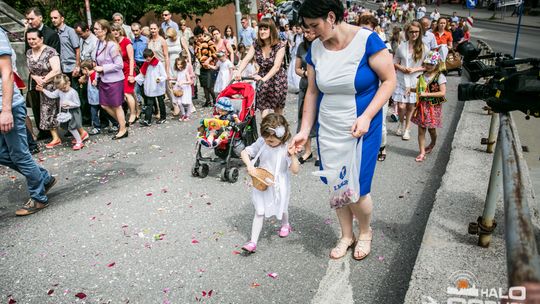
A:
(242, 134)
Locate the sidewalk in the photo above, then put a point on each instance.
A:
(485, 15)
(448, 251)
(482, 14)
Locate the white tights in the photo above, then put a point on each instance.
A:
(76, 135)
(257, 225)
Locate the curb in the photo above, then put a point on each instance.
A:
(446, 248)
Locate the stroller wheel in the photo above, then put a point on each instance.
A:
(233, 175)
(195, 171)
(224, 174)
(203, 170)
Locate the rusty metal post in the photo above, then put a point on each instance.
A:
(487, 221)
(522, 257)
(492, 137)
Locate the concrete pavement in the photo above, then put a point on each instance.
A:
(127, 222)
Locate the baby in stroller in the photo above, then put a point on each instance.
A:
(214, 131)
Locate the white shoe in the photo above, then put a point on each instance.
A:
(399, 131)
(406, 135)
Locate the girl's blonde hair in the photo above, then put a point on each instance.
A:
(61, 81)
(180, 60)
(272, 121)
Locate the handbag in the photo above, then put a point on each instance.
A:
(453, 60)
(178, 92)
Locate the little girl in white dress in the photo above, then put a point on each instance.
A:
(224, 76)
(272, 151)
(183, 83)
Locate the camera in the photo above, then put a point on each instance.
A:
(507, 88)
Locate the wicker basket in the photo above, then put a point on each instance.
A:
(262, 178)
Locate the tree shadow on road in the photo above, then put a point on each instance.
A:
(87, 181)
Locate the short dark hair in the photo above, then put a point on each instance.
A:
(35, 30)
(198, 31)
(60, 12)
(320, 8)
(82, 25)
(197, 20)
(35, 10)
(147, 53)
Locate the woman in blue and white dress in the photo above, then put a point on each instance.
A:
(350, 78)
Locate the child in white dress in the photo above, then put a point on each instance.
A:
(70, 117)
(272, 151)
(224, 76)
(183, 83)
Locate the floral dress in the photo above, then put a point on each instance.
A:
(272, 93)
(49, 106)
(428, 112)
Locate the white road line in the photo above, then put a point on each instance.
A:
(335, 286)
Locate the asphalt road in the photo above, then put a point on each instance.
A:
(128, 223)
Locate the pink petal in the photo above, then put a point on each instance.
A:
(381, 258)
(194, 241)
(328, 221)
(149, 194)
(165, 290)
(12, 301)
(165, 301)
(236, 252)
(210, 292)
(204, 293)
(92, 218)
(124, 226)
(81, 295)
(111, 264)
(201, 270)
(255, 285)
(273, 275)
(50, 291)
(164, 190)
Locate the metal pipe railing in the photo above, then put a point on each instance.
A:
(522, 257)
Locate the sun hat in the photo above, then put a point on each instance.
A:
(433, 57)
(224, 103)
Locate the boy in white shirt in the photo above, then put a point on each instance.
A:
(153, 77)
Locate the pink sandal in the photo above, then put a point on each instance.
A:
(284, 231)
(249, 247)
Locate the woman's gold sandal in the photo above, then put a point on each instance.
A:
(341, 249)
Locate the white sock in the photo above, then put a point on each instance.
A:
(76, 135)
(256, 227)
(285, 219)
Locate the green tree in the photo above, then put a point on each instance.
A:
(132, 10)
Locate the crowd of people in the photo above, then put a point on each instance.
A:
(348, 66)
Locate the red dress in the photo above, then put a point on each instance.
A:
(129, 88)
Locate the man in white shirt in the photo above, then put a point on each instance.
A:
(454, 18)
(428, 39)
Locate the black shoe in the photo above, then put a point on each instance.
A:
(50, 184)
(116, 137)
(302, 160)
(144, 123)
(43, 135)
(161, 121)
(317, 163)
(113, 129)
